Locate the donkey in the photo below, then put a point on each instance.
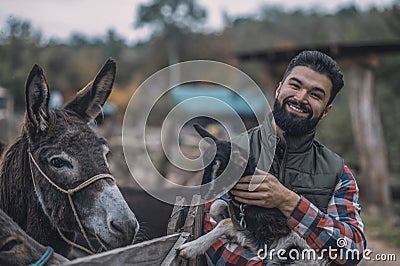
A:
(55, 181)
(3, 147)
(17, 248)
(261, 230)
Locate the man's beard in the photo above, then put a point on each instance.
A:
(292, 124)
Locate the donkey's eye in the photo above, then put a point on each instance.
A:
(10, 245)
(60, 163)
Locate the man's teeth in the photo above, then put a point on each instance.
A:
(297, 109)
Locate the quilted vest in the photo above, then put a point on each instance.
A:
(302, 165)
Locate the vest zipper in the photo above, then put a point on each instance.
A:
(283, 163)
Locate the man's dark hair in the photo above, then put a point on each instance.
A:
(322, 64)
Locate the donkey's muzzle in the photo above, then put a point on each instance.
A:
(124, 230)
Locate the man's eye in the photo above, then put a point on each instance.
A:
(316, 96)
(295, 86)
(60, 163)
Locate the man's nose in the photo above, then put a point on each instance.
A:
(301, 96)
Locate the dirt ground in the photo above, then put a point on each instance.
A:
(381, 249)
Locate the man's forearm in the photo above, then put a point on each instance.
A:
(289, 204)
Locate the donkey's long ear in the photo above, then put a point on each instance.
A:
(37, 97)
(89, 101)
(204, 133)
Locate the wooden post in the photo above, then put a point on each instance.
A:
(368, 135)
(192, 226)
(175, 221)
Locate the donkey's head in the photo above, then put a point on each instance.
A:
(68, 162)
(17, 248)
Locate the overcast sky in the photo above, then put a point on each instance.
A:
(59, 18)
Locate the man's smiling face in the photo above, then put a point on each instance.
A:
(301, 100)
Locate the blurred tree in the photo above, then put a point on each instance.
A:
(20, 43)
(78, 40)
(113, 44)
(171, 16)
(169, 20)
(392, 18)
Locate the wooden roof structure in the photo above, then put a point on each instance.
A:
(339, 51)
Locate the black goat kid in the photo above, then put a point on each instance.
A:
(252, 227)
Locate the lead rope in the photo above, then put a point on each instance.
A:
(242, 216)
(69, 193)
(240, 224)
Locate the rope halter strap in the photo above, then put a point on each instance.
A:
(69, 193)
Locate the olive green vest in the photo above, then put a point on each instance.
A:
(303, 165)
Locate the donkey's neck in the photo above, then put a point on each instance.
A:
(18, 199)
(41, 229)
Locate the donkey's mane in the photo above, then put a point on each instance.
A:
(16, 189)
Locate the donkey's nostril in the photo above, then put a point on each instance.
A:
(117, 227)
(125, 230)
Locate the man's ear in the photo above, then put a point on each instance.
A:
(278, 90)
(326, 111)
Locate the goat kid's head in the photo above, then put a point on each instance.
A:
(221, 156)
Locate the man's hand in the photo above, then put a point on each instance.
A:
(268, 192)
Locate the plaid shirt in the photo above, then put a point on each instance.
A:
(322, 231)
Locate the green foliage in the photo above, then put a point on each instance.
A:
(71, 64)
(168, 16)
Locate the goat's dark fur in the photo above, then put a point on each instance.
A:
(264, 226)
(266, 229)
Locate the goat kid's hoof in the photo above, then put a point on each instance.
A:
(187, 251)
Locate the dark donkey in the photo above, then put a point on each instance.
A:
(17, 248)
(55, 181)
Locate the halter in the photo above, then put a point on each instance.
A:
(70, 192)
(45, 257)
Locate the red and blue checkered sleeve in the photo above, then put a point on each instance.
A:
(339, 232)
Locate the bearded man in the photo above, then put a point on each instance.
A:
(306, 181)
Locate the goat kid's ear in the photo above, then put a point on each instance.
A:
(37, 97)
(89, 101)
(204, 133)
